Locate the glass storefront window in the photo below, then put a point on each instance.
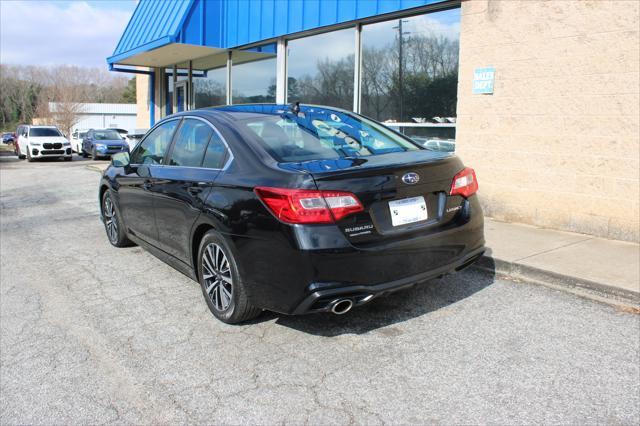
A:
(168, 84)
(210, 88)
(320, 69)
(410, 68)
(253, 75)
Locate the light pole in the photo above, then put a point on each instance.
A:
(401, 35)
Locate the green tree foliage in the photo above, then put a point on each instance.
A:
(129, 93)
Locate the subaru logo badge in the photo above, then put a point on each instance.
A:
(411, 178)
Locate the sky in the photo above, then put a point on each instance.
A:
(56, 32)
(85, 33)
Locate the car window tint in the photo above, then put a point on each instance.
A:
(191, 142)
(154, 147)
(216, 155)
(44, 132)
(323, 134)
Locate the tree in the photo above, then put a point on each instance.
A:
(25, 92)
(129, 94)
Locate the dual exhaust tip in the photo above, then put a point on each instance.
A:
(341, 306)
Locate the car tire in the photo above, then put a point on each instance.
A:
(29, 159)
(223, 288)
(84, 154)
(112, 223)
(94, 156)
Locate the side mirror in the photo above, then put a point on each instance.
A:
(121, 159)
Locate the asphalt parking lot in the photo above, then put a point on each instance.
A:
(94, 334)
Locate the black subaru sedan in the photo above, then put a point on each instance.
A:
(292, 208)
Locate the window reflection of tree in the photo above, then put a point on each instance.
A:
(430, 78)
(208, 93)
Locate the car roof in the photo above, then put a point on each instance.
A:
(248, 111)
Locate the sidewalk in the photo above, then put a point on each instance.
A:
(606, 268)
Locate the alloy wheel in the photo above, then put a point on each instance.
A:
(110, 219)
(216, 273)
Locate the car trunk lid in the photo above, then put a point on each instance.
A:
(403, 194)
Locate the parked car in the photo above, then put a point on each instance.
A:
(102, 143)
(442, 145)
(122, 132)
(76, 140)
(8, 138)
(35, 142)
(134, 137)
(292, 209)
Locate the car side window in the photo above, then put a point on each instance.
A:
(154, 146)
(217, 153)
(191, 142)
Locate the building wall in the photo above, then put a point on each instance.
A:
(101, 121)
(142, 100)
(557, 144)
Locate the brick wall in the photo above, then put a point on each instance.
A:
(557, 144)
(142, 97)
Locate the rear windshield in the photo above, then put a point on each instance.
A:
(44, 131)
(321, 134)
(106, 135)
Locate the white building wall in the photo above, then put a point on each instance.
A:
(102, 121)
(101, 116)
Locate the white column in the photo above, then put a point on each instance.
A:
(190, 87)
(357, 72)
(229, 82)
(281, 72)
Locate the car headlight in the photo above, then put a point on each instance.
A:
(100, 146)
(66, 144)
(35, 144)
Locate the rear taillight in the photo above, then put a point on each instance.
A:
(464, 183)
(309, 206)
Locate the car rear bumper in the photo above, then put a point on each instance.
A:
(324, 294)
(304, 271)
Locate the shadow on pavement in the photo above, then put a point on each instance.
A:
(395, 308)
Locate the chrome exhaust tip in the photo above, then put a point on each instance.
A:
(341, 306)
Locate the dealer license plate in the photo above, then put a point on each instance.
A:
(408, 210)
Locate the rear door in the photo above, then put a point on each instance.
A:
(192, 165)
(135, 196)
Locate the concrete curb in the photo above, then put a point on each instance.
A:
(573, 284)
(95, 168)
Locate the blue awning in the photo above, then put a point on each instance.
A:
(164, 32)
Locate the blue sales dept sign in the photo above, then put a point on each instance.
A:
(483, 80)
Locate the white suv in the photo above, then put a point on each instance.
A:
(42, 142)
(76, 140)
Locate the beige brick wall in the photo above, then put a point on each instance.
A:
(142, 101)
(558, 143)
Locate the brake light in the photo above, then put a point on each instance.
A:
(464, 183)
(308, 206)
